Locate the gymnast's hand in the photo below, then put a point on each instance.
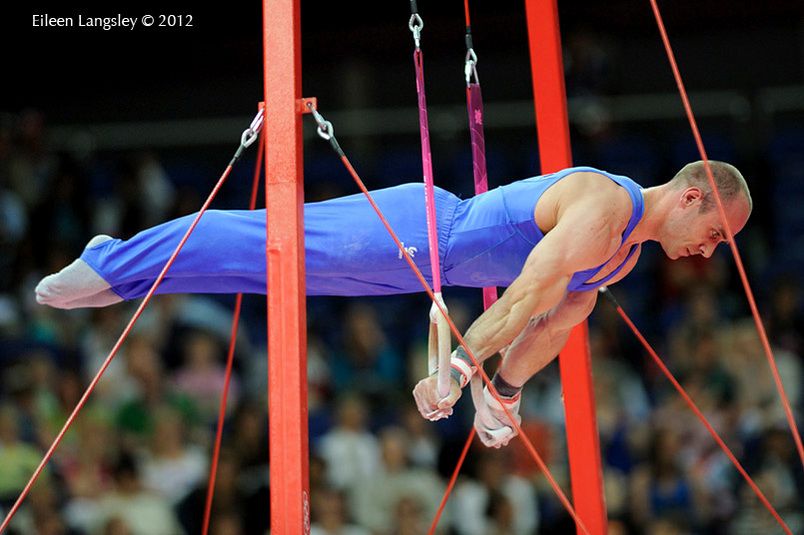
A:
(429, 403)
(493, 426)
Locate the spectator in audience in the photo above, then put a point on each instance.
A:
(17, 458)
(350, 450)
(368, 363)
(785, 317)
(62, 214)
(116, 526)
(500, 513)
(472, 496)
(202, 376)
(660, 488)
(41, 514)
(172, 467)
(102, 329)
(752, 517)
(423, 441)
(190, 509)
(666, 526)
(227, 523)
(87, 472)
(31, 163)
(250, 441)
(621, 402)
(700, 316)
(330, 515)
(375, 497)
(759, 402)
(13, 226)
(135, 419)
(143, 512)
(409, 516)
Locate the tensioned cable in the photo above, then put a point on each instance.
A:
(326, 131)
(791, 420)
(606, 292)
(213, 470)
(439, 343)
(248, 137)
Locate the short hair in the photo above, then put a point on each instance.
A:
(728, 179)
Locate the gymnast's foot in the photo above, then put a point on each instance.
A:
(77, 285)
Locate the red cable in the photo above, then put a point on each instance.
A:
(466, 12)
(213, 471)
(451, 483)
(791, 421)
(528, 445)
(699, 414)
(115, 349)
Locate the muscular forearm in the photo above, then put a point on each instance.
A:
(535, 347)
(502, 322)
(544, 336)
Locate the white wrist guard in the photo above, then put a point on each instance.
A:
(462, 369)
(492, 423)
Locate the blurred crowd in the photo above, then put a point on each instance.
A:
(136, 459)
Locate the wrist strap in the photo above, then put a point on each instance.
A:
(461, 368)
(504, 388)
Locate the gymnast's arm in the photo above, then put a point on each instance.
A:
(543, 337)
(586, 234)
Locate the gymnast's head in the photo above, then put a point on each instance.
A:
(693, 225)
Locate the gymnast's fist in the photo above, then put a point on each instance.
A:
(430, 404)
(493, 425)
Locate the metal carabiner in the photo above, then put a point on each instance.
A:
(416, 25)
(325, 128)
(251, 133)
(248, 137)
(470, 66)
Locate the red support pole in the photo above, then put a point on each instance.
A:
(576, 376)
(284, 200)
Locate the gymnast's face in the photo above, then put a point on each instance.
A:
(690, 230)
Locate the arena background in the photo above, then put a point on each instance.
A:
(115, 131)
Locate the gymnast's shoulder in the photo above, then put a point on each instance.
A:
(585, 195)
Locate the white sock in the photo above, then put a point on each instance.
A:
(75, 282)
(100, 299)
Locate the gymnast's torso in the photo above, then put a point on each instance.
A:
(483, 241)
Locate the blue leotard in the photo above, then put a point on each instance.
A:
(483, 241)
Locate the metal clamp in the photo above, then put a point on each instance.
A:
(325, 128)
(470, 66)
(416, 24)
(251, 133)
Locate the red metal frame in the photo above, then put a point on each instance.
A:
(576, 377)
(287, 336)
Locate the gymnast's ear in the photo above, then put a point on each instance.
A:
(691, 196)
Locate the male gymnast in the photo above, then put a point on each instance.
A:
(552, 240)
